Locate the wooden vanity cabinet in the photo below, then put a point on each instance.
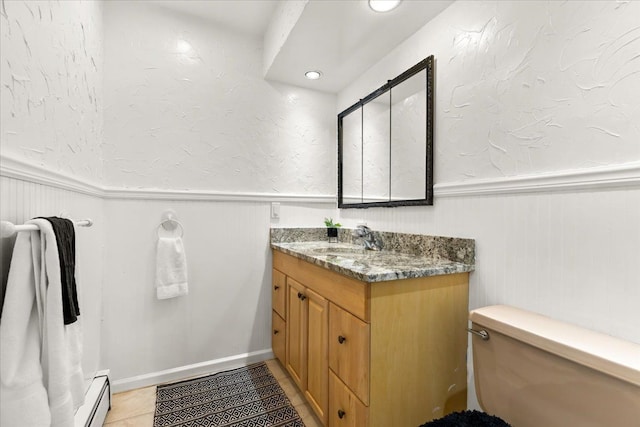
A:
(375, 354)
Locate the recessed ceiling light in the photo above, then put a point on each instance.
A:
(313, 75)
(383, 5)
(183, 46)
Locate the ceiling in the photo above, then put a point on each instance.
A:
(340, 38)
(343, 39)
(245, 16)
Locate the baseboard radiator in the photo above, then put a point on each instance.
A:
(97, 402)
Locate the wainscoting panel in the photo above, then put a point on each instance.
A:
(228, 309)
(569, 255)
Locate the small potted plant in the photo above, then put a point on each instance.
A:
(332, 229)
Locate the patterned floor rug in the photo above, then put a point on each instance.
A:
(247, 397)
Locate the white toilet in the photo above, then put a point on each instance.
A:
(533, 371)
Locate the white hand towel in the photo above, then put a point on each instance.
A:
(23, 396)
(171, 268)
(41, 380)
(62, 349)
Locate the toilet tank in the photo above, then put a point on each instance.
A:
(535, 371)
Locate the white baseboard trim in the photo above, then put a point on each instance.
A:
(188, 371)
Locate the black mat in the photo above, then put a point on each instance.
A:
(247, 397)
(467, 419)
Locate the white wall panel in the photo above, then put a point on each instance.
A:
(566, 255)
(228, 309)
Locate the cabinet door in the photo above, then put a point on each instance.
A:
(296, 333)
(349, 350)
(278, 337)
(278, 290)
(317, 354)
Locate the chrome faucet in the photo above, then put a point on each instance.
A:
(368, 237)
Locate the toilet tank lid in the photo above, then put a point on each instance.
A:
(604, 353)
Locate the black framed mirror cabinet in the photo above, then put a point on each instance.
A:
(385, 143)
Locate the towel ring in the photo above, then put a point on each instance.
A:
(174, 224)
(169, 222)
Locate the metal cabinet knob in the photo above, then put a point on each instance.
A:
(341, 413)
(275, 332)
(276, 287)
(341, 339)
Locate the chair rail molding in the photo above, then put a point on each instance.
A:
(19, 169)
(12, 167)
(625, 175)
(594, 178)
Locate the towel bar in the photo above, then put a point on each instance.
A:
(8, 229)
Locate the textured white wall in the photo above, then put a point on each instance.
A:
(51, 85)
(525, 88)
(187, 108)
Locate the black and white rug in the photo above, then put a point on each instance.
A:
(247, 397)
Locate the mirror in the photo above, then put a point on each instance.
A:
(385, 144)
(376, 132)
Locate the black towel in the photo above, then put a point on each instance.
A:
(66, 240)
(467, 419)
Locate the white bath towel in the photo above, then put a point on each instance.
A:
(171, 268)
(41, 381)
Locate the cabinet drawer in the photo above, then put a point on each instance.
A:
(278, 336)
(349, 350)
(278, 291)
(344, 407)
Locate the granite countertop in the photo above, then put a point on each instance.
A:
(371, 266)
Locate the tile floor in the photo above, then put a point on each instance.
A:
(135, 408)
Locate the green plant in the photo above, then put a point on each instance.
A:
(329, 223)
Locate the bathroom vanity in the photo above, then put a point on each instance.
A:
(373, 338)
